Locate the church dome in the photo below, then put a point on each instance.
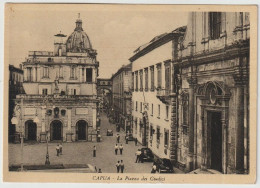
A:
(78, 41)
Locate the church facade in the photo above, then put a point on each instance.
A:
(211, 93)
(60, 100)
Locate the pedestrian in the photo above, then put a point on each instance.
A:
(126, 139)
(116, 149)
(118, 166)
(121, 149)
(58, 150)
(122, 166)
(138, 153)
(99, 170)
(96, 168)
(94, 151)
(141, 157)
(118, 138)
(135, 141)
(153, 169)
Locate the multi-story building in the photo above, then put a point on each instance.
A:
(15, 88)
(152, 86)
(104, 89)
(212, 93)
(61, 95)
(121, 87)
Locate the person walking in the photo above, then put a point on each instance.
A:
(138, 153)
(118, 166)
(153, 169)
(126, 139)
(58, 150)
(94, 151)
(141, 157)
(135, 141)
(121, 149)
(122, 166)
(118, 138)
(99, 170)
(116, 149)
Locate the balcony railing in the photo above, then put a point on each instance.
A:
(163, 95)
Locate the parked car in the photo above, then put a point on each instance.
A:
(109, 132)
(164, 165)
(147, 154)
(130, 137)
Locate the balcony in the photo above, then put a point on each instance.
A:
(163, 95)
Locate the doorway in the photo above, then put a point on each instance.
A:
(56, 130)
(215, 140)
(31, 129)
(81, 129)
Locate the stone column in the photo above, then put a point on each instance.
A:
(25, 74)
(94, 75)
(94, 117)
(239, 129)
(38, 73)
(225, 141)
(173, 131)
(69, 133)
(204, 141)
(84, 74)
(192, 80)
(33, 74)
(241, 80)
(80, 74)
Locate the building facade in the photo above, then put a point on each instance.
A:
(121, 87)
(211, 89)
(15, 88)
(61, 94)
(151, 84)
(104, 89)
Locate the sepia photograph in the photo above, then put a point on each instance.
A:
(139, 93)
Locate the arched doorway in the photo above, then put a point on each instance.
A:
(81, 130)
(30, 130)
(56, 130)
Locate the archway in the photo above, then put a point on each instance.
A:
(56, 130)
(30, 130)
(81, 130)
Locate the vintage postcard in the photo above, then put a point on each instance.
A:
(106, 93)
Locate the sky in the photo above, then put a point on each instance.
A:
(114, 31)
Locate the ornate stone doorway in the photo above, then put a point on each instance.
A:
(56, 130)
(31, 130)
(81, 130)
(214, 104)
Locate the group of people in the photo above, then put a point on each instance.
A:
(120, 148)
(120, 166)
(59, 149)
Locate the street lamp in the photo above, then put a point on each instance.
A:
(47, 159)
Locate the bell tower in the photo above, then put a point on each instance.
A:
(59, 45)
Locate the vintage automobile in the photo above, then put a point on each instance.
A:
(146, 155)
(130, 137)
(109, 132)
(164, 165)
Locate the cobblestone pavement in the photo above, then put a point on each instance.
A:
(82, 153)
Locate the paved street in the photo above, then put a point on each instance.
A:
(81, 153)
